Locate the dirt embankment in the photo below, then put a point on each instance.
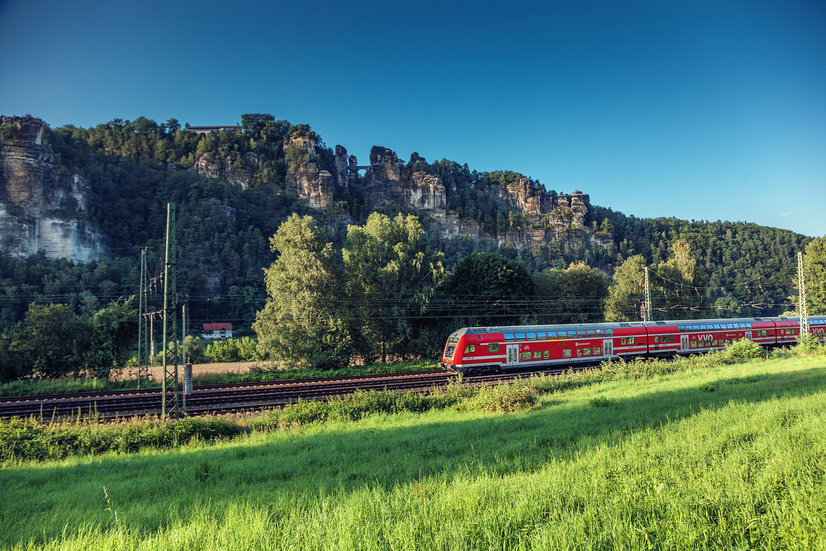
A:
(156, 372)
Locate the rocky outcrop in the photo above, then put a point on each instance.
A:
(425, 192)
(525, 199)
(209, 166)
(41, 205)
(304, 179)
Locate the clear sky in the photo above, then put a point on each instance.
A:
(699, 110)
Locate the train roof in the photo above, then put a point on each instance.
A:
(615, 325)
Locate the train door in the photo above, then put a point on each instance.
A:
(683, 342)
(748, 335)
(513, 354)
(608, 347)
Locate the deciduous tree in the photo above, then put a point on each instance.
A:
(391, 277)
(301, 321)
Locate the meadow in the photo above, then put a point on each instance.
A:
(703, 456)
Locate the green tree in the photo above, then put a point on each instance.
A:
(51, 340)
(626, 296)
(391, 277)
(573, 295)
(114, 332)
(680, 284)
(486, 289)
(301, 319)
(814, 265)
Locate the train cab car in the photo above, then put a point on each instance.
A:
(704, 335)
(478, 349)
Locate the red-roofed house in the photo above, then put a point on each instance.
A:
(217, 331)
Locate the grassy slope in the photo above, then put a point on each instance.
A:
(732, 457)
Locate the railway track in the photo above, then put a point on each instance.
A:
(233, 397)
(224, 398)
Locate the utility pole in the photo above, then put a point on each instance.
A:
(169, 394)
(647, 316)
(143, 329)
(801, 285)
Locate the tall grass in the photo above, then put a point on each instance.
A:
(731, 457)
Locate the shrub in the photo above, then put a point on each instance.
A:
(744, 350)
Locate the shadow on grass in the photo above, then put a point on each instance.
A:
(313, 462)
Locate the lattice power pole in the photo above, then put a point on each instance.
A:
(801, 285)
(169, 393)
(143, 327)
(647, 298)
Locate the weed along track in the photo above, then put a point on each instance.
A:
(233, 397)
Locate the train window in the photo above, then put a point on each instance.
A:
(546, 355)
(586, 351)
(581, 334)
(531, 336)
(656, 338)
(541, 335)
(591, 333)
(609, 332)
(597, 351)
(578, 352)
(537, 355)
(526, 356)
(566, 353)
(520, 336)
(703, 328)
(600, 332)
(693, 344)
(682, 329)
(624, 340)
(551, 334)
(730, 326)
(508, 336)
(630, 340)
(469, 349)
(493, 347)
(696, 327)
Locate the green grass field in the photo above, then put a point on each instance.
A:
(730, 457)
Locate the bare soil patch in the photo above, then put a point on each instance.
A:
(156, 372)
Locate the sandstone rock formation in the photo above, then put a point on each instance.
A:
(304, 179)
(42, 206)
(209, 166)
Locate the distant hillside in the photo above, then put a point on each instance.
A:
(99, 195)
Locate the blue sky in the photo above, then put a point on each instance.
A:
(699, 110)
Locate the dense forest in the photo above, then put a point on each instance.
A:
(697, 269)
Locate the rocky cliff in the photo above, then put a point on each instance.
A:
(42, 206)
(386, 183)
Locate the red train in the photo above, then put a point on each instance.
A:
(478, 349)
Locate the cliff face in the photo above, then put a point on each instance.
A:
(551, 217)
(41, 206)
